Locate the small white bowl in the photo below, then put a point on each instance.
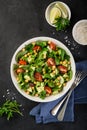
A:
(50, 6)
(52, 97)
(78, 29)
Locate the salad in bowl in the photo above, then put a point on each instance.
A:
(42, 69)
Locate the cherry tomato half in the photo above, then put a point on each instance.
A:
(52, 46)
(62, 69)
(51, 62)
(19, 70)
(38, 76)
(48, 90)
(22, 62)
(36, 48)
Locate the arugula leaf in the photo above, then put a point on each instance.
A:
(9, 108)
(43, 94)
(61, 23)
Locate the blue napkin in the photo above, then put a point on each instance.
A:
(41, 112)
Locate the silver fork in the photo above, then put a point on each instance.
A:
(80, 75)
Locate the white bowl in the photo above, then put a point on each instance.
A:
(53, 97)
(50, 6)
(78, 30)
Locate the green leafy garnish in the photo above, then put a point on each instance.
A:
(9, 108)
(43, 94)
(61, 23)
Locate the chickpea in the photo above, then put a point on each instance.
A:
(26, 80)
(54, 72)
(67, 79)
(64, 62)
(25, 55)
(35, 82)
(26, 70)
(27, 92)
(61, 62)
(34, 51)
(36, 95)
(28, 54)
(53, 67)
(32, 88)
(23, 49)
(45, 80)
(47, 95)
(44, 72)
(43, 69)
(64, 84)
(20, 66)
(58, 84)
(17, 78)
(69, 62)
(33, 43)
(49, 42)
(58, 78)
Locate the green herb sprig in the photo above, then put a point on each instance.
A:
(61, 23)
(9, 108)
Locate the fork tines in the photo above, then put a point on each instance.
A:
(80, 75)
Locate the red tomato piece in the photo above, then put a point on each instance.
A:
(38, 76)
(62, 69)
(48, 90)
(36, 48)
(51, 62)
(22, 62)
(19, 70)
(52, 46)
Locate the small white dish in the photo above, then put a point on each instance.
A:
(50, 6)
(79, 32)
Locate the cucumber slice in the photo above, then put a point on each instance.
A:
(61, 80)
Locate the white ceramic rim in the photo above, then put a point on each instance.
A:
(53, 97)
(48, 8)
(74, 28)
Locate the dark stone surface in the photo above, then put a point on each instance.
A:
(21, 20)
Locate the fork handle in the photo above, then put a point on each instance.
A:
(61, 114)
(57, 107)
(55, 110)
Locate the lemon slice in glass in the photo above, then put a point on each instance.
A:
(54, 13)
(63, 9)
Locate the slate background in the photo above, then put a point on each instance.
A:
(21, 20)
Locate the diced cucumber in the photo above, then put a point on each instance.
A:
(32, 67)
(50, 50)
(27, 77)
(52, 75)
(56, 71)
(55, 92)
(61, 80)
(39, 86)
(29, 89)
(40, 89)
